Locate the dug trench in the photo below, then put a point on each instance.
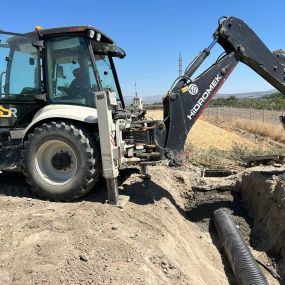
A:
(255, 200)
(163, 235)
(263, 193)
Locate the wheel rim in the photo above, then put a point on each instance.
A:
(56, 162)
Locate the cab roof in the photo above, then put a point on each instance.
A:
(70, 30)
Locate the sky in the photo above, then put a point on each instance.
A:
(153, 33)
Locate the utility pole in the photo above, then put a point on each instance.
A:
(136, 93)
(180, 64)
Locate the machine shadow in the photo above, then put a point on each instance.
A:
(140, 192)
(14, 184)
(148, 192)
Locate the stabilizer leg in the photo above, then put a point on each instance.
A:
(113, 191)
(109, 150)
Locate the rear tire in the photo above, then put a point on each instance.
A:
(61, 161)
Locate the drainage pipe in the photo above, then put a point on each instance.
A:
(244, 266)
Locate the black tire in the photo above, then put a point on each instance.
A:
(82, 150)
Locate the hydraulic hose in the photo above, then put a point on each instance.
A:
(244, 266)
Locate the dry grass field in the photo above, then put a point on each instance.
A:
(206, 135)
(267, 130)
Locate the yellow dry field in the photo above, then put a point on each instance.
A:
(206, 135)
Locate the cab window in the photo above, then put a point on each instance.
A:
(19, 68)
(106, 73)
(71, 76)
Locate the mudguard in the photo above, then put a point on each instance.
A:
(77, 113)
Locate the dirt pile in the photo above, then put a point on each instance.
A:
(149, 241)
(263, 192)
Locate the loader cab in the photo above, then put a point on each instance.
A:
(78, 64)
(55, 66)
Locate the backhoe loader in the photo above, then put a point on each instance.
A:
(63, 121)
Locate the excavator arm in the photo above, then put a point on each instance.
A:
(234, 35)
(187, 98)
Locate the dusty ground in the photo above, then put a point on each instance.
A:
(149, 241)
(164, 234)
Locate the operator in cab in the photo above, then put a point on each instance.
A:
(78, 86)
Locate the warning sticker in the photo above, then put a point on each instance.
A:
(113, 98)
(185, 89)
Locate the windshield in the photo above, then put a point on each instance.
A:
(71, 76)
(106, 74)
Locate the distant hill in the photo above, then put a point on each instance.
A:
(256, 94)
(273, 101)
(158, 98)
(146, 99)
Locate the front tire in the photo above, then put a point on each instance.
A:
(61, 161)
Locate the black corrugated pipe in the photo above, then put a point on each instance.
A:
(244, 266)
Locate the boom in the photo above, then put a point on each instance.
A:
(187, 99)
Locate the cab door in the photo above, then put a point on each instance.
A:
(20, 80)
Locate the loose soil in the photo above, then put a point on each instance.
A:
(163, 235)
(149, 241)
